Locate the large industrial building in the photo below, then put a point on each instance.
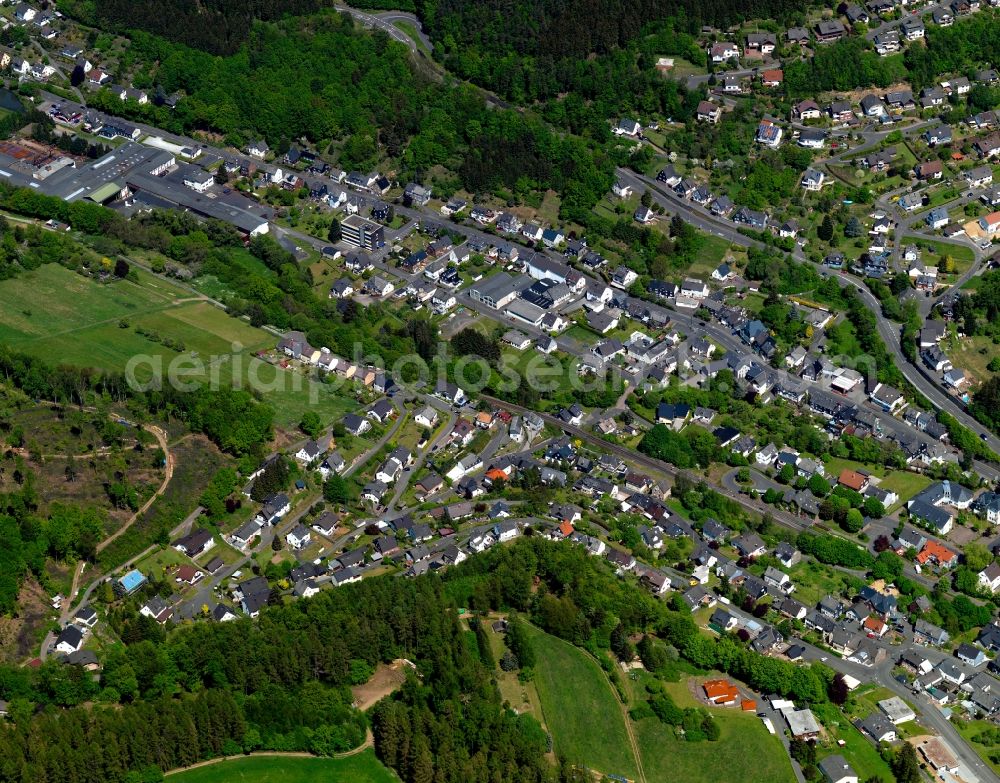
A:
(134, 177)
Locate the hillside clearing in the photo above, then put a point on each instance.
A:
(586, 720)
(362, 768)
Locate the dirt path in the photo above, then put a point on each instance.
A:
(77, 573)
(104, 451)
(161, 438)
(628, 723)
(368, 743)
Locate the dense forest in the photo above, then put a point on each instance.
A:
(544, 39)
(215, 26)
(281, 683)
(357, 96)
(846, 65)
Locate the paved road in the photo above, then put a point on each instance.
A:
(758, 482)
(889, 331)
(394, 17)
(885, 26)
(882, 675)
(781, 517)
(444, 432)
(703, 220)
(389, 434)
(384, 22)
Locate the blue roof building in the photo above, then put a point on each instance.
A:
(132, 581)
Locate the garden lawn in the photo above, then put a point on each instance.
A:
(581, 710)
(835, 465)
(814, 581)
(362, 768)
(904, 484)
(157, 563)
(962, 254)
(858, 751)
(972, 353)
(864, 701)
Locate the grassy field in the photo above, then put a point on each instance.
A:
(522, 697)
(89, 324)
(972, 354)
(362, 768)
(962, 254)
(586, 720)
(970, 731)
(548, 212)
(745, 752)
(713, 250)
(66, 302)
(556, 371)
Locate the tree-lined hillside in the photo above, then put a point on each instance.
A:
(216, 26)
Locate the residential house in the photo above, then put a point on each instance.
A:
(830, 30)
(835, 769)
(196, 543)
(707, 112)
(769, 134)
(813, 179)
(723, 51)
(878, 728)
(806, 110)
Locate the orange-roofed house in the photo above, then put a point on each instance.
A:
(566, 529)
(496, 474)
(484, 420)
(933, 552)
(852, 479)
(748, 705)
(773, 77)
(721, 692)
(990, 223)
(875, 626)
